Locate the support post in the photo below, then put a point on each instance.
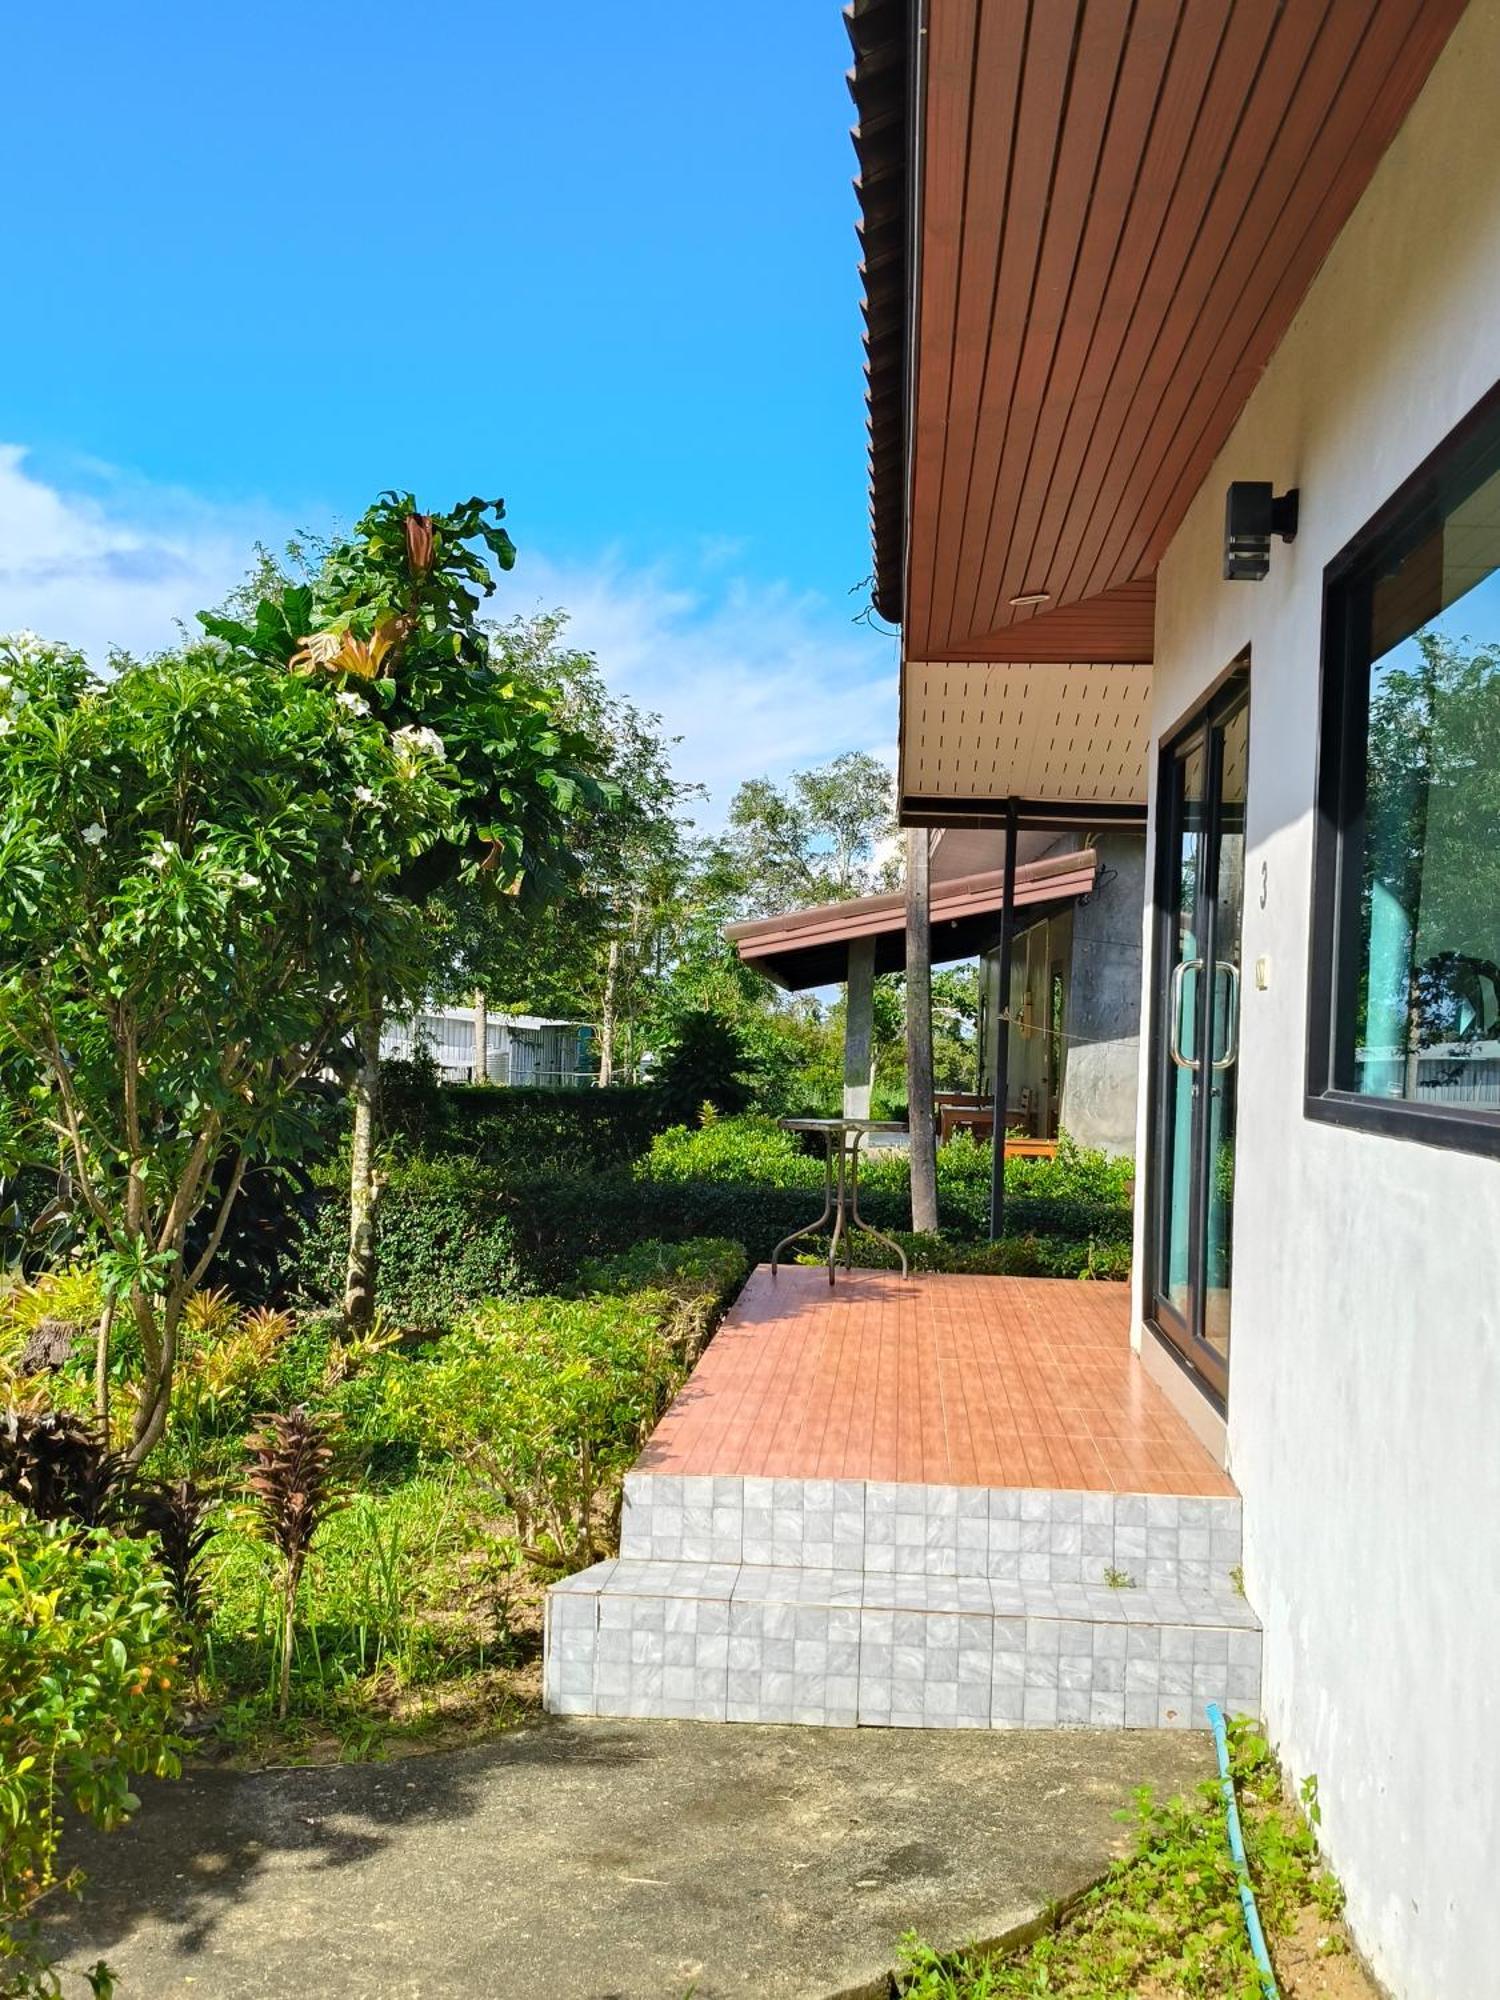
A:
(859, 1027)
(922, 1140)
(1002, 1027)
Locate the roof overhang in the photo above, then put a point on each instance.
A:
(811, 947)
(1103, 217)
(1067, 743)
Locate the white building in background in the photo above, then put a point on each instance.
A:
(522, 1048)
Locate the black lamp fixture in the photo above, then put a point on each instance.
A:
(1253, 512)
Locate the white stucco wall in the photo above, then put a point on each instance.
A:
(1364, 1409)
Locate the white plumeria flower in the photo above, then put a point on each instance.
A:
(415, 739)
(159, 859)
(6, 725)
(94, 834)
(363, 795)
(352, 702)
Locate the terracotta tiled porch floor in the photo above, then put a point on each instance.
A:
(942, 1380)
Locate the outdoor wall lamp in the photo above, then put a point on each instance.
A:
(1253, 512)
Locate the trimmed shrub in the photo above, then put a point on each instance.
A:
(549, 1400)
(1012, 1257)
(543, 1129)
(752, 1150)
(695, 1282)
(451, 1239)
(446, 1242)
(88, 1640)
(1079, 1194)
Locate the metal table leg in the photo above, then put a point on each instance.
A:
(858, 1220)
(813, 1228)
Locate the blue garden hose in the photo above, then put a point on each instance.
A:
(1256, 1935)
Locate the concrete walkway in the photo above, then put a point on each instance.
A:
(591, 1860)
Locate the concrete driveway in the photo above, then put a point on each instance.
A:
(593, 1860)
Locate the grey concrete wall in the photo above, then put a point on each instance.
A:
(1101, 1074)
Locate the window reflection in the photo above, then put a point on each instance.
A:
(1428, 1022)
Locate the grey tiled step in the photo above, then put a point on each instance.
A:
(761, 1643)
(1013, 1534)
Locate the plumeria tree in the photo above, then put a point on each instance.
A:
(199, 855)
(389, 619)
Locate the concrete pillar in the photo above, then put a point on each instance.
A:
(859, 1028)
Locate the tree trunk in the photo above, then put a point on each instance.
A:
(923, 1141)
(101, 1366)
(359, 1279)
(481, 1039)
(607, 1015)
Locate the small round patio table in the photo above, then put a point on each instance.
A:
(841, 1140)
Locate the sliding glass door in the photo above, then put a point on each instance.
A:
(1200, 894)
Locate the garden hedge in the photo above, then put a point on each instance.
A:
(542, 1129)
(452, 1235)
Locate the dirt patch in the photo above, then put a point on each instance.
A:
(1317, 1961)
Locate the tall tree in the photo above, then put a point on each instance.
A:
(816, 840)
(191, 851)
(603, 948)
(390, 619)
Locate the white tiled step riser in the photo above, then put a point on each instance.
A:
(730, 1657)
(1014, 1534)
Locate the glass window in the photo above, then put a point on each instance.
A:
(1412, 774)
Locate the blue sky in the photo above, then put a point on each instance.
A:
(599, 259)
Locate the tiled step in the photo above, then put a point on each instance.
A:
(1013, 1534)
(738, 1642)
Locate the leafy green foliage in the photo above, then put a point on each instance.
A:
(695, 1281)
(1080, 1194)
(705, 1062)
(812, 842)
(534, 1130)
(189, 852)
(601, 950)
(1167, 1919)
(448, 1240)
(549, 1400)
(88, 1643)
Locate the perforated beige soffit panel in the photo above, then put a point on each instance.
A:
(1046, 733)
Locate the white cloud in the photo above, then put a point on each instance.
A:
(756, 680)
(110, 563)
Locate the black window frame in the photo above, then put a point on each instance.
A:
(1468, 455)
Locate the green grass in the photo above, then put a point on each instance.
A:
(408, 1592)
(1166, 1920)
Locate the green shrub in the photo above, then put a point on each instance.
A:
(1012, 1257)
(542, 1129)
(549, 1400)
(446, 1241)
(1079, 1194)
(695, 1282)
(752, 1149)
(705, 1266)
(88, 1641)
(706, 1061)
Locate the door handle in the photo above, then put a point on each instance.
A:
(1174, 1031)
(1231, 1015)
